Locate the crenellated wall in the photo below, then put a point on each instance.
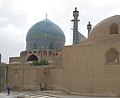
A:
(53, 56)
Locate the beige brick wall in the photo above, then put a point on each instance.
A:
(83, 71)
(25, 77)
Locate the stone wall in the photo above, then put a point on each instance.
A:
(2, 77)
(83, 70)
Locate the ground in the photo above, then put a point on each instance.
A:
(42, 95)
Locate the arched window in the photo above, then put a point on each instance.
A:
(30, 51)
(35, 51)
(45, 53)
(112, 56)
(32, 58)
(56, 53)
(114, 28)
(39, 53)
(50, 53)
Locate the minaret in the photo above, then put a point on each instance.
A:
(0, 58)
(75, 27)
(89, 27)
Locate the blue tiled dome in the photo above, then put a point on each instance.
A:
(45, 35)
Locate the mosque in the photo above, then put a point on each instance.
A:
(89, 66)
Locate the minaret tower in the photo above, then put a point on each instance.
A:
(0, 58)
(75, 27)
(89, 27)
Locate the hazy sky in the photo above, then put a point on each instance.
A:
(17, 16)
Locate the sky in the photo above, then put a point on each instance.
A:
(17, 17)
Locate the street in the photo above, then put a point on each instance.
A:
(15, 94)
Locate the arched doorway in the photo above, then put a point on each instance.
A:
(32, 58)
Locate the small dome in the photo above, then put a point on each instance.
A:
(106, 31)
(103, 27)
(45, 35)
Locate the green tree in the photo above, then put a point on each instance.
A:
(41, 62)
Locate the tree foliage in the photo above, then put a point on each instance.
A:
(41, 62)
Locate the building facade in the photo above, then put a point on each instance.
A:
(90, 67)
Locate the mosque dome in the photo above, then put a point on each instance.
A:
(45, 35)
(105, 32)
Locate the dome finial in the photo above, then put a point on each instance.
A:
(46, 15)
